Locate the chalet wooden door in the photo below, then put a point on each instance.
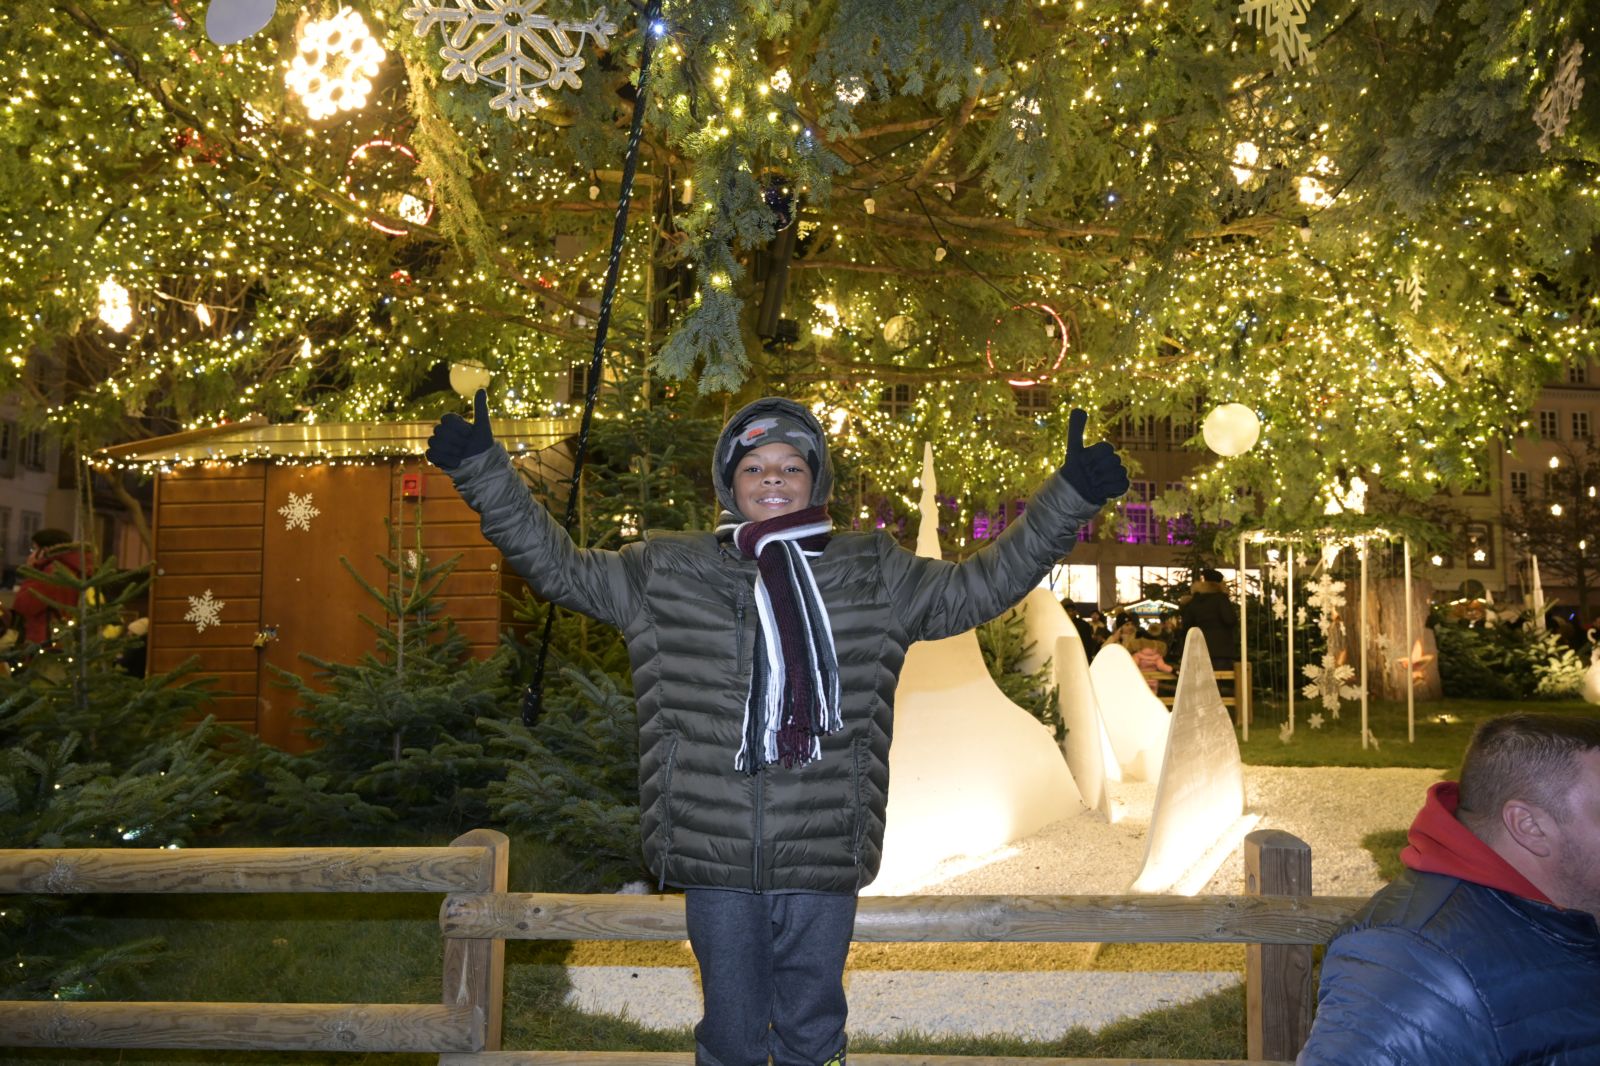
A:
(309, 602)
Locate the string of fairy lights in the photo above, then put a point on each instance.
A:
(1348, 326)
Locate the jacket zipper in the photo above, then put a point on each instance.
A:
(666, 799)
(738, 632)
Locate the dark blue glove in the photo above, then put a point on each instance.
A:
(1096, 472)
(455, 440)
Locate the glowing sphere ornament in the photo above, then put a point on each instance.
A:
(1231, 429)
(900, 330)
(334, 63)
(116, 309)
(467, 377)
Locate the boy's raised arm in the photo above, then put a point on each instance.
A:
(940, 599)
(591, 581)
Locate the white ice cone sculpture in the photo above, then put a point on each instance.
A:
(1043, 620)
(969, 770)
(1201, 792)
(1087, 747)
(1538, 594)
(1591, 678)
(1135, 720)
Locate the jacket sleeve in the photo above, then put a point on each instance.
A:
(935, 598)
(1391, 998)
(600, 584)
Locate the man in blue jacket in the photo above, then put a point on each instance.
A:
(1486, 950)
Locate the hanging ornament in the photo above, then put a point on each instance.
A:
(376, 173)
(231, 21)
(1411, 288)
(334, 63)
(1284, 21)
(1033, 369)
(900, 331)
(1560, 98)
(530, 51)
(1231, 429)
(467, 377)
(116, 308)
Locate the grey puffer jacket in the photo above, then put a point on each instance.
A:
(685, 605)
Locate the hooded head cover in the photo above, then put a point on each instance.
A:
(772, 420)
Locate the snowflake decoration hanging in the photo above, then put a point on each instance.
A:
(298, 512)
(1560, 97)
(1330, 682)
(204, 610)
(1285, 22)
(1280, 610)
(1371, 739)
(511, 46)
(1285, 732)
(1315, 721)
(1327, 596)
(1411, 288)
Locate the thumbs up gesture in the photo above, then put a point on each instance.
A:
(1096, 471)
(455, 440)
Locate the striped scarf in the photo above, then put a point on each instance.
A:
(794, 679)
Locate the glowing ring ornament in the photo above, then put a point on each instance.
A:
(334, 63)
(1038, 378)
(409, 208)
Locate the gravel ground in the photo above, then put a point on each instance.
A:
(1041, 991)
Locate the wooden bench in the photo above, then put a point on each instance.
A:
(1167, 686)
(1276, 918)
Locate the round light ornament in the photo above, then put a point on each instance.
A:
(334, 63)
(1231, 429)
(1035, 365)
(467, 377)
(900, 331)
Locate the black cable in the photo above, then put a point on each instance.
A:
(533, 697)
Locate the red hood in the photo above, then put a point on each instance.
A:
(1439, 844)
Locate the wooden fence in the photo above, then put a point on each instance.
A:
(1276, 917)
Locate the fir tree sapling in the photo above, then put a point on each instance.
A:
(94, 757)
(397, 735)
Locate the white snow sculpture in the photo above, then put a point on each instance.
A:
(1591, 678)
(1087, 747)
(969, 770)
(1201, 792)
(1135, 720)
(1043, 621)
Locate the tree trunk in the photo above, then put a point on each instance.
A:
(1389, 648)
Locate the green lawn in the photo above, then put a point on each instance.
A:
(1443, 728)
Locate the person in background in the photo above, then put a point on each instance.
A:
(40, 601)
(1485, 951)
(1209, 610)
(1148, 657)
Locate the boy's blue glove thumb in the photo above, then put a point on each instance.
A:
(455, 440)
(1096, 472)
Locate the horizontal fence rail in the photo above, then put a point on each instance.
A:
(1104, 919)
(258, 1026)
(53, 872)
(671, 1058)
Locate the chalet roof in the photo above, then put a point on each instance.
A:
(315, 442)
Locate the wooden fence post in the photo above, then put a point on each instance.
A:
(474, 970)
(1278, 994)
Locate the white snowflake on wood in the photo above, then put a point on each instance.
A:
(298, 512)
(1315, 721)
(1285, 22)
(530, 51)
(204, 610)
(1330, 682)
(1560, 97)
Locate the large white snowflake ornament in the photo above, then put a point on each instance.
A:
(298, 512)
(511, 46)
(1330, 682)
(1561, 97)
(1284, 21)
(204, 610)
(1326, 596)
